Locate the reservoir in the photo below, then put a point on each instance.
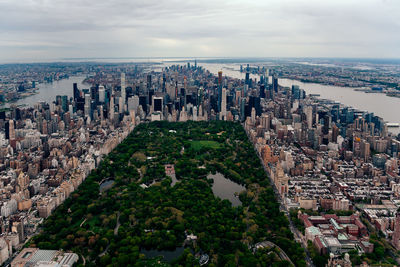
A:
(226, 189)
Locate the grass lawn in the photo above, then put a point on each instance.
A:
(197, 145)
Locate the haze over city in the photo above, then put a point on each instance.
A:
(46, 30)
(199, 133)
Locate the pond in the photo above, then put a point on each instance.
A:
(168, 255)
(226, 189)
(107, 184)
(174, 180)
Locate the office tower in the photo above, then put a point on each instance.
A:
(223, 105)
(254, 102)
(143, 102)
(326, 119)
(247, 79)
(151, 93)
(219, 90)
(243, 108)
(87, 105)
(102, 94)
(64, 103)
(295, 91)
(262, 91)
(133, 103)
(11, 130)
(220, 78)
(157, 104)
(309, 116)
(275, 84)
(149, 85)
(76, 92)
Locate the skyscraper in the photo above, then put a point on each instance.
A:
(309, 116)
(102, 94)
(157, 104)
(220, 78)
(223, 105)
(149, 85)
(87, 105)
(11, 130)
(275, 84)
(111, 112)
(123, 91)
(76, 92)
(247, 80)
(219, 89)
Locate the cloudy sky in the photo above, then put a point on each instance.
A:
(36, 30)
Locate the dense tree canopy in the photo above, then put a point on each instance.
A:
(116, 226)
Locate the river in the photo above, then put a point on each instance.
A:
(48, 91)
(381, 105)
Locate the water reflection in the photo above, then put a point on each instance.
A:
(226, 189)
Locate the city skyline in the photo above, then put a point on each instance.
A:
(43, 31)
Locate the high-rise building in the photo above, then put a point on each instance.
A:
(87, 105)
(123, 91)
(275, 84)
(220, 78)
(102, 94)
(247, 79)
(133, 103)
(76, 92)
(309, 116)
(157, 104)
(11, 130)
(111, 111)
(262, 91)
(219, 89)
(223, 105)
(149, 85)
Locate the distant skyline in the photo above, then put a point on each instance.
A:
(43, 30)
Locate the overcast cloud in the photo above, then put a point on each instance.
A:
(49, 29)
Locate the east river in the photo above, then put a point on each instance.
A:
(381, 105)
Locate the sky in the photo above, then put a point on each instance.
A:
(41, 30)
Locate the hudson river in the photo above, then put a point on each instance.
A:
(48, 91)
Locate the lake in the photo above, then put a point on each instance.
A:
(168, 255)
(107, 184)
(226, 189)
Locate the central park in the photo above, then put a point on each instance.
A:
(131, 211)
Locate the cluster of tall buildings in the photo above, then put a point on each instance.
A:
(323, 156)
(319, 154)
